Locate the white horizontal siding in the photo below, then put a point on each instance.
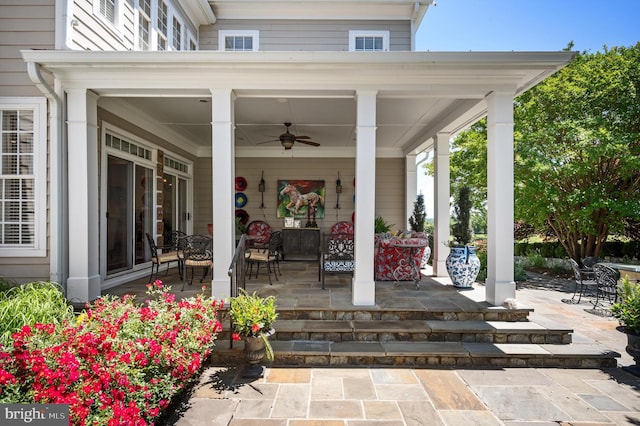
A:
(290, 35)
(92, 33)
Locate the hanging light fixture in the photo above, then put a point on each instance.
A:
(261, 188)
(338, 191)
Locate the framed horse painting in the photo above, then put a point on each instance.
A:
(301, 198)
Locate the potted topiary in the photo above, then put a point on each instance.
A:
(416, 223)
(252, 317)
(627, 311)
(462, 263)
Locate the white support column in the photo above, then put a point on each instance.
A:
(364, 289)
(223, 174)
(500, 284)
(442, 205)
(411, 186)
(83, 284)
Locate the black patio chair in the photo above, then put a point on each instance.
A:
(197, 251)
(585, 279)
(269, 256)
(607, 284)
(160, 256)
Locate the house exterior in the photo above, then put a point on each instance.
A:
(126, 117)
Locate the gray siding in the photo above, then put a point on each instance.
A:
(24, 24)
(291, 35)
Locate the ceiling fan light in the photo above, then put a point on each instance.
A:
(287, 144)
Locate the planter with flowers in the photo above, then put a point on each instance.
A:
(252, 318)
(627, 311)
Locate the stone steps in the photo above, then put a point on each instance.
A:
(419, 330)
(424, 354)
(436, 313)
(419, 338)
(416, 331)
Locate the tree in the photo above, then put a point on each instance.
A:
(416, 221)
(461, 229)
(468, 163)
(577, 152)
(577, 138)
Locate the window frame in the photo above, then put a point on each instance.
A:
(175, 19)
(162, 19)
(354, 34)
(223, 34)
(116, 25)
(40, 143)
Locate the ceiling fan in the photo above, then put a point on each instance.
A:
(287, 139)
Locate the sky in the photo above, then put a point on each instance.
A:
(525, 25)
(529, 25)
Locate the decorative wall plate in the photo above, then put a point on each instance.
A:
(241, 183)
(241, 199)
(242, 215)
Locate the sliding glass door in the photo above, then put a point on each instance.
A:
(174, 206)
(130, 214)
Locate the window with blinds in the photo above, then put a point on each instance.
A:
(23, 176)
(107, 8)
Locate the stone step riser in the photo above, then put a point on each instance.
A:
(520, 337)
(516, 315)
(425, 360)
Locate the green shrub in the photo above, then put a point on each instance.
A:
(519, 273)
(381, 225)
(520, 249)
(28, 304)
(627, 309)
(535, 259)
(482, 274)
(548, 249)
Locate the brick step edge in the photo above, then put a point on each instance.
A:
(489, 314)
(425, 354)
(426, 331)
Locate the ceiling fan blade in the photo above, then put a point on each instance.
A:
(312, 143)
(272, 140)
(303, 137)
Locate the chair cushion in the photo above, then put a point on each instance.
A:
(342, 228)
(169, 256)
(191, 262)
(338, 265)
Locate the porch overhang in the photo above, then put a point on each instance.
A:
(443, 91)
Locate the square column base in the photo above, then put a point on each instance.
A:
(364, 293)
(499, 291)
(220, 289)
(83, 289)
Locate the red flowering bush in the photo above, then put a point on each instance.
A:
(116, 363)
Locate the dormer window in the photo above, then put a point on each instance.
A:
(368, 41)
(238, 41)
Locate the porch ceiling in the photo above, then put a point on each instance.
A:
(419, 93)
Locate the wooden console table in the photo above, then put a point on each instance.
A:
(301, 243)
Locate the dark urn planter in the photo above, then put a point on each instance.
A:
(254, 351)
(633, 344)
